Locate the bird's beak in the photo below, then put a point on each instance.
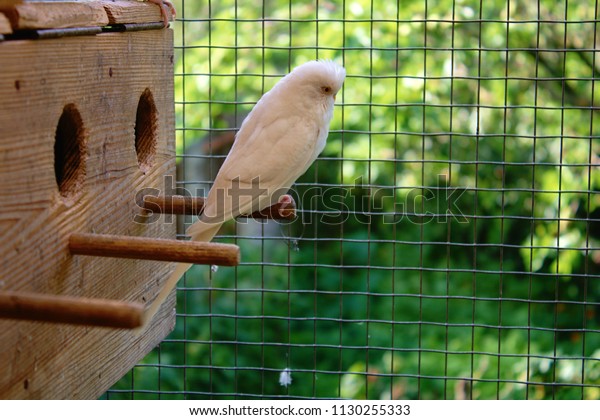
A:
(334, 96)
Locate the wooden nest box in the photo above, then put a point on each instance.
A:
(86, 123)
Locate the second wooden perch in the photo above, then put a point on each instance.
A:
(178, 204)
(154, 249)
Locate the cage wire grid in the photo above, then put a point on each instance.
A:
(447, 239)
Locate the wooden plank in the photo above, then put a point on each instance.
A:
(96, 83)
(123, 11)
(5, 27)
(56, 15)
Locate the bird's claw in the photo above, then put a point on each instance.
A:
(165, 5)
(286, 205)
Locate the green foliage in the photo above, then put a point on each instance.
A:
(448, 241)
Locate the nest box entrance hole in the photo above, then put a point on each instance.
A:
(69, 152)
(146, 125)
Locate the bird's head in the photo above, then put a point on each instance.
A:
(320, 80)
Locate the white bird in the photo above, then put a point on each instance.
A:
(277, 142)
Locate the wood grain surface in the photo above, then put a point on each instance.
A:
(100, 78)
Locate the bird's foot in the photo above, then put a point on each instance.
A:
(286, 204)
(167, 10)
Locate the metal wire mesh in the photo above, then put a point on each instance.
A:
(447, 240)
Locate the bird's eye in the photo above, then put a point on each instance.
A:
(326, 90)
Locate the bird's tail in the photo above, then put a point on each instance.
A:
(202, 231)
(199, 231)
(169, 285)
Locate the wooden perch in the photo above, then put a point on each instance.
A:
(154, 249)
(178, 204)
(70, 310)
(9, 3)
